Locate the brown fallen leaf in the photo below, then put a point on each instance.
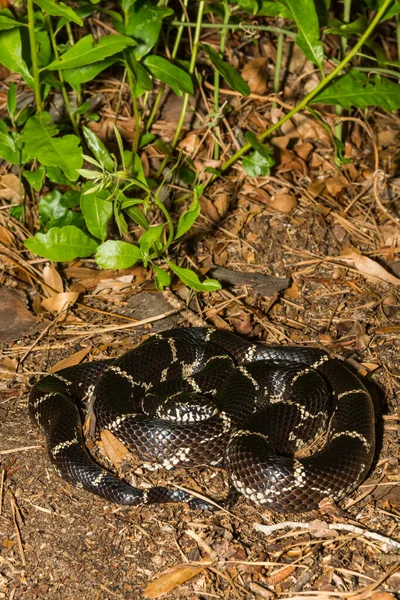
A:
(372, 270)
(60, 302)
(283, 202)
(114, 449)
(255, 72)
(6, 237)
(10, 188)
(53, 279)
(15, 318)
(71, 361)
(171, 578)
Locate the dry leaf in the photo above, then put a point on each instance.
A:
(6, 237)
(71, 361)
(373, 271)
(10, 188)
(283, 202)
(114, 449)
(53, 279)
(60, 302)
(171, 578)
(255, 73)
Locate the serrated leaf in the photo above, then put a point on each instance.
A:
(62, 244)
(59, 9)
(168, 73)
(230, 75)
(11, 54)
(115, 254)
(86, 51)
(308, 38)
(356, 89)
(41, 143)
(187, 219)
(191, 279)
(97, 211)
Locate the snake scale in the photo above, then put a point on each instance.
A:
(201, 396)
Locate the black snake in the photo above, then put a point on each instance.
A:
(206, 397)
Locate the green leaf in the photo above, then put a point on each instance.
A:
(97, 211)
(12, 100)
(356, 89)
(87, 72)
(230, 75)
(148, 239)
(162, 278)
(135, 213)
(270, 8)
(165, 71)
(338, 144)
(11, 54)
(259, 163)
(187, 219)
(35, 178)
(308, 38)
(62, 244)
(144, 25)
(263, 149)
(63, 152)
(98, 149)
(8, 148)
(117, 255)
(86, 51)
(256, 165)
(7, 20)
(191, 279)
(141, 79)
(55, 175)
(59, 9)
(54, 210)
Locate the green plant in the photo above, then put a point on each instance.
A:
(45, 46)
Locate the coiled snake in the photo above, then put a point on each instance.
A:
(206, 397)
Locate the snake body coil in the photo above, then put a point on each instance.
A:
(205, 397)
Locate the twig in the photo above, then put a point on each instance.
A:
(391, 544)
(14, 510)
(20, 449)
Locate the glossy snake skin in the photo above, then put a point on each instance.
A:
(200, 396)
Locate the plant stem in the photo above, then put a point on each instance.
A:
(136, 115)
(322, 84)
(167, 216)
(186, 97)
(61, 76)
(34, 57)
(278, 64)
(217, 77)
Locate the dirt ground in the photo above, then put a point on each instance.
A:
(331, 241)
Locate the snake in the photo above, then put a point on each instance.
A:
(291, 425)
